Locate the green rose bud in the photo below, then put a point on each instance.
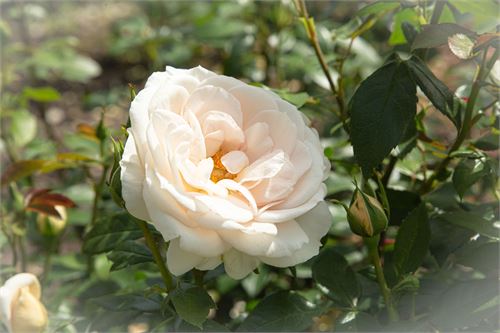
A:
(52, 225)
(366, 215)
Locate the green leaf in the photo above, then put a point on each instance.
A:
(377, 7)
(297, 99)
(401, 203)
(282, 311)
(435, 90)
(484, 258)
(381, 110)
(468, 172)
(23, 127)
(42, 94)
(408, 15)
(109, 232)
(129, 253)
(208, 326)
(483, 13)
(132, 301)
(332, 271)
(192, 304)
(461, 46)
(433, 35)
(412, 241)
(20, 170)
(472, 222)
(465, 304)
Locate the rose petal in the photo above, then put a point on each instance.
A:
(315, 224)
(234, 161)
(132, 178)
(257, 141)
(253, 100)
(210, 98)
(180, 261)
(284, 131)
(290, 238)
(238, 265)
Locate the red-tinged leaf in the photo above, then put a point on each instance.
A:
(47, 210)
(485, 40)
(33, 193)
(53, 199)
(20, 170)
(87, 130)
(43, 197)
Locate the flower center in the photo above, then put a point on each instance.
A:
(219, 171)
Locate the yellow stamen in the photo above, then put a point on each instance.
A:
(220, 172)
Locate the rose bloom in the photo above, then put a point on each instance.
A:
(227, 172)
(20, 307)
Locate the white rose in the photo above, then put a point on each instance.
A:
(20, 306)
(227, 172)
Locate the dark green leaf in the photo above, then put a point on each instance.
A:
(133, 301)
(447, 239)
(109, 232)
(192, 304)
(466, 304)
(488, 142)
(282, 311)
(472, 222)
(129, 253)
(435, 90)
(208, 326)
(332, 271)
(468, 172)
(381, 110)
(433, 35)
(412, 241)
(401, 204)
(485, 257)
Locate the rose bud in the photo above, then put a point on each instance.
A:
(366, 215)
(52, 225)
(227, 172)
(20, 307)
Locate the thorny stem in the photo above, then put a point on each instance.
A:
(463, 133)
(313, 39)
(150, 242)
(372, 245)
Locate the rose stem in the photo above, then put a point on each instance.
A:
(372, 245)
(150, 242)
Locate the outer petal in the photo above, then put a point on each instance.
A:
(139, 107)
(315, 224)
(132, 177)
(180, 261)
(201, 241)
(238, 265)
(289, 238)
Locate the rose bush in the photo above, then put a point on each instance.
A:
(227, 172)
